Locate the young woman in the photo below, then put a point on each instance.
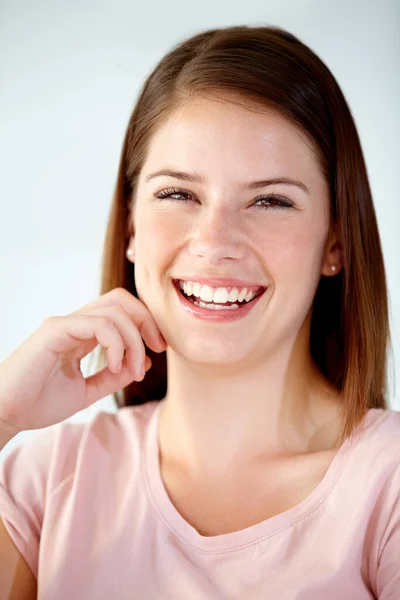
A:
(242, 269)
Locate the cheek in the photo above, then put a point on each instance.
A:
(156, 232)
(157, 237)
(290, 249)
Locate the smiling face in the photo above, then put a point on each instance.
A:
(219, 228)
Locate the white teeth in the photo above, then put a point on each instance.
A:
(196, 289)
(216, 307)
(242, 295)
(233, 295)
(219, 295)
(206, 293)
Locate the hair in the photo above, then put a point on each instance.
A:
(264, 68)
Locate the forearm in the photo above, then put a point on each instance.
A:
(6, 434)
(4, 439)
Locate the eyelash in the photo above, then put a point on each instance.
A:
(281, 201)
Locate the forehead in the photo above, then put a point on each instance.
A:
(223, 136)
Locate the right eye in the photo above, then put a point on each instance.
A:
(168, 193)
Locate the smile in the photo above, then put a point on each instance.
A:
(217, 311)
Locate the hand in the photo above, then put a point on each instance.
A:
(41, 382)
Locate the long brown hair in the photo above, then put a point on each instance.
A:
(269, 68)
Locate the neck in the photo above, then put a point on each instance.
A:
(213, 423)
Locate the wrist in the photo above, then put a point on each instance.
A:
(6, 433)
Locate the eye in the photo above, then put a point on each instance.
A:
(272, 201)
(275, 200)
(168, 193)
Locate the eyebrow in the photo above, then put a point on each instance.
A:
(244, 185)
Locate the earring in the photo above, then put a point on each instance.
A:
(333, 267)
(129, 251)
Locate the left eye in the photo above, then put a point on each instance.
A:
(276, 200)
(273, 201)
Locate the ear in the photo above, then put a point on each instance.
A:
(130, 234)
(333, 255)
(130, 251)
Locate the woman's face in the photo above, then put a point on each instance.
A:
(218, 228)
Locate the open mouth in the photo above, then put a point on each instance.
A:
(220, 305)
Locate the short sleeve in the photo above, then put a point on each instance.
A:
(23, 483)
(388, 571)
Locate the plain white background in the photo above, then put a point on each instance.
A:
(69, 77)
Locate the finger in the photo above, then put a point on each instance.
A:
(70, 332)
(152, 337)
(105, 383)
(136, 309)
(132, 340)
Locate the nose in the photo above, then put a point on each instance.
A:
(216, 236)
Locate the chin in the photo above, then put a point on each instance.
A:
(202, 349)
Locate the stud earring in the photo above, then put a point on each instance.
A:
(333, 267)
(129, 251)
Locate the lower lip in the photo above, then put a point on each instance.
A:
(209, 314)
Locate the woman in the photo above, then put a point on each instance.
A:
(242, 242)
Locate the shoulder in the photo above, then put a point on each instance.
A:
(374, 458)
(381, 447)
(380, 435)
(383, 427)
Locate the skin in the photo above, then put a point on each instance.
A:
(247, 392)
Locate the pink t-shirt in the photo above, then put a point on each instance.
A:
(86, 506)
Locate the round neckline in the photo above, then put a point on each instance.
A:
(250, 535)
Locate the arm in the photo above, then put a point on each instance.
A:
(388, 572)
(6, 434)
(5, 437)
(17, 581)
